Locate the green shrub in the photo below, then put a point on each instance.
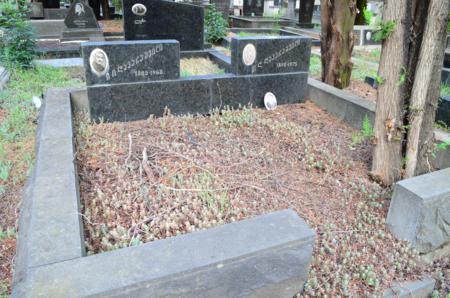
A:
(215, 25)
(17, 45)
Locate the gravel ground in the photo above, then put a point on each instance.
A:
(147, 180)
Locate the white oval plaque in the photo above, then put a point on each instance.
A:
(139, 9)
(249, 54)
(270, 101)
(99, 63)
(368, 35)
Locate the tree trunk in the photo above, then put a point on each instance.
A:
(425, 92)
(410, 67)
(105, 10)
(361, 5)
(387, 156)
(338, 18)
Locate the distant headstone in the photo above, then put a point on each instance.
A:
(159, 19)
(130, 61)
(443, 110)
(55, 13)
(35, 10)
(305, 13)
(80, 16)
(51, 3)
(262, 54)
(253, 7)
(81, 23)
(223, 6)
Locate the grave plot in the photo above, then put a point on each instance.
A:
(158, 178)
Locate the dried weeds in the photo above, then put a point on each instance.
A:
(147, 180)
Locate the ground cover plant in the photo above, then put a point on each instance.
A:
(147, 180)
(198, 66)
(17, 131)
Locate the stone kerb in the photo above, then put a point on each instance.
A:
(270, 54)
(266, 256)
(420, 210)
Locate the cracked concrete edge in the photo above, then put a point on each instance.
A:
(411, 289)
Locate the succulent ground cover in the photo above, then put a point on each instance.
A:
(157, 178)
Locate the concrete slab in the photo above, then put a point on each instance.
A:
(63, 62)
(411, 289)
(420, 210)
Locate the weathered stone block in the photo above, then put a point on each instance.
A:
(267, 256)
(420, 210)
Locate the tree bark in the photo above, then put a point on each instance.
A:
(338, 18)
(387, 155)
(105, 10)
(425, 92)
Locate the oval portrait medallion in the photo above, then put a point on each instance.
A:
(270, 101)
(99, 63)
(249, 54)
(139, 9)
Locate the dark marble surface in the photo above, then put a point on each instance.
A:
(447, 58)
(253, 7)
(443, 111)
(165, 20)
(130, 61)
(80, 16)
(199, 95)
(274, 54)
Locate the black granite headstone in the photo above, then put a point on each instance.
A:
(159, 19)
(80, 16)
(270, 54)
(443, 110)
(305, 13)
(130, 61)
(253, 7)
(51, 3)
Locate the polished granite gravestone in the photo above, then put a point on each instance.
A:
(130, 61)
(81, 23)
(270, 54)
(253, 7)
(159, 19)
(443, 111)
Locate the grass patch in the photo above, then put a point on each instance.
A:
(315, 66)
(370, 56)
(245, 34)
(359, 72)
(198, 66)
(18, 114)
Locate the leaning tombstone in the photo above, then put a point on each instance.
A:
(81, 23)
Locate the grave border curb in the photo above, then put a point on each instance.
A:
(352, 109)
(271, 252)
